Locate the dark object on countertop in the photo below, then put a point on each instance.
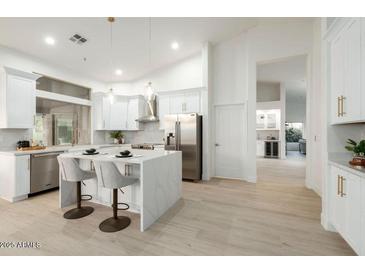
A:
(90, 150)
(124, 156)
(95, 153)
(21, 144)
(125, 153)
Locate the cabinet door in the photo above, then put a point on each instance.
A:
(352, 192)
(176, 104)
(22, 175)
(351, 100)
(20, 108)
(271, 121)
(260, 149)
(132, 115)
(118, 115)
(106, 104)
(192, 103)
(337, 203)
(98, 105)
(337, 77)
(163, 109)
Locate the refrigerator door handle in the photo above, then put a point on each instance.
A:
(176, 135)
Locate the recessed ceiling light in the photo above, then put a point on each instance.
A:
(49, 40)
(118, 72)
(175, 45)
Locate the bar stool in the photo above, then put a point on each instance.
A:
(110, 177)
(71, 172)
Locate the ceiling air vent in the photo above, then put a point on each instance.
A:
(78, 39)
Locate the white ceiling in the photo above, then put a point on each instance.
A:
(291, 71)
(130, 47)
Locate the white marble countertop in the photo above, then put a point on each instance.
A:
(60, 149)
(108, 154)
(341, 160)
(265, 140)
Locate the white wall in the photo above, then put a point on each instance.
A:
(185, 74)
(229, 71)
(295, 108)
(24, 62)
(267, 92)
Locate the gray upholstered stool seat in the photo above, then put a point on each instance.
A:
(110, 177)
(71, 172)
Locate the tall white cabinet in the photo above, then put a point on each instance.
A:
(17, 98)
(347, 85)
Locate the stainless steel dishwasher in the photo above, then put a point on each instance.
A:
(44, 171)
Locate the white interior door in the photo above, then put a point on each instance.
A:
(229, 135)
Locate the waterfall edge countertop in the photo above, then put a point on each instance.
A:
(159, 187)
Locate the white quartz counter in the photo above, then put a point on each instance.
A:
(61, 149)
(341, 160)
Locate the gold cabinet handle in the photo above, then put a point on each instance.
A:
(342, 98)
(338, 184)
(342, 193)
(338, 107)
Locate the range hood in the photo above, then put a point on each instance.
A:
(150, 110)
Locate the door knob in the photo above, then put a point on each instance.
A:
(217, 145)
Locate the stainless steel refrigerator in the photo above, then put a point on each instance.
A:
(183, 132)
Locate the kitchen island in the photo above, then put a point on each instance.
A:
(159, 187)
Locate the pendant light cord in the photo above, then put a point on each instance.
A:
(150, 41)
(111, 21)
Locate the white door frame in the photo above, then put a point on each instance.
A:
(243, 105)
(308, 56)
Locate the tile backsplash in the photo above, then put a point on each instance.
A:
(150, 133)
(9, 137)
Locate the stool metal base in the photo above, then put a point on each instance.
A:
(77, 213)
(114, 224)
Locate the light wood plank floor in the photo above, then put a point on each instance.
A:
(276, 216)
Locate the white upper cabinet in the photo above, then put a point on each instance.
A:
(117, 113)
(268, 119)
(135, 111)
(163, 109)
(192, 102)
(17, 98)
(178, 103)
(101, 110)
(345, 68)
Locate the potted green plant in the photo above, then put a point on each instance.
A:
(118, 137)
(358, 150)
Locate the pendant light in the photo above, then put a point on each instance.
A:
(111, 20)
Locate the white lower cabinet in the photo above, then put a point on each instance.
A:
(345, 207)
(14, 177)
(260, 148)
